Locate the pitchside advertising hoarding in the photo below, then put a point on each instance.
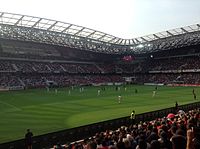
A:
(13, 88)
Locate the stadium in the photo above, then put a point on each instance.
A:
(67, 82)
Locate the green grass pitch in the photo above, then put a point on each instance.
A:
(44, 111)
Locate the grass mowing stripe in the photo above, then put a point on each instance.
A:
(10, 105)
(45, 112)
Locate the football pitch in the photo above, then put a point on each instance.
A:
(47, 111)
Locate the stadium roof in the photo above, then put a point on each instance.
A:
(29, 28)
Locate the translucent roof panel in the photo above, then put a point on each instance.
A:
(84, 32)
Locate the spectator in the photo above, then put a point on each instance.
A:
(91, 145)
(28, 139)
(155, 144)
(178, 142)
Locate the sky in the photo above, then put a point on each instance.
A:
(121, 18)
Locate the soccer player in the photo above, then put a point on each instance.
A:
(136, 91)
(119, 99)
(154, 93)
(47, 89)
(125, 89)
(116, 88)
(194, 94)
(98, 92)
(69, 92)
(104, 88)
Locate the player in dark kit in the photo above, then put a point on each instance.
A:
(136, 91)
(194, 94)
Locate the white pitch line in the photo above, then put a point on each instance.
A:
(16, 108)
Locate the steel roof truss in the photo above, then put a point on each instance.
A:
(101, 37)
(91, 34)
(34, 25)
(184, 30)
(19, 20)
(66, 28)
(52, 25)
(144, 39)
(156, 36)
(170, 33)
(79, 31)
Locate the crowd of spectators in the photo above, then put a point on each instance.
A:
(176, 63)
(180, 131)
(169, 78)
(131, 68)
(64, 73)
(55, 67)
(6, 67)
(108, 68)
(179, 63)
(89, 68)
(9, 80)
(24, 66)
(47, 67)
(36, 81)
(42, 80)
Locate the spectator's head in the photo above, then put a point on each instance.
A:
(142, 144)
(164, 128)
(127, 143)
(91, 145)
(155, 144)
(155, 130)
(163, 135)
(129, 137)
(120, 145)
(104, 143)
(196, 143)
(152, 136)
(178, 142)
(180, 132)
(173, 129)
